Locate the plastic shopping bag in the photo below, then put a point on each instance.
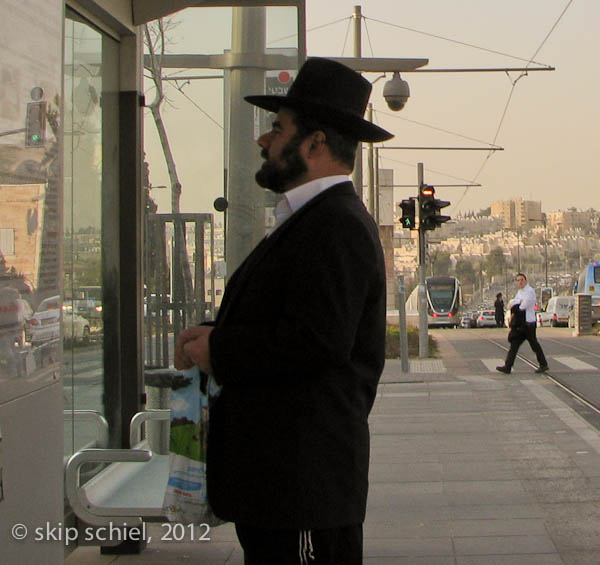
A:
(185, 499)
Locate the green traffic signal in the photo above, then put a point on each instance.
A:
(408, 213)
(35, 124)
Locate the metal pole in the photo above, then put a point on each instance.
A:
(371, 172)
(402, 333)
(544, 218)
(246, 212)
(423, 335)
(358, 169)
(519, 248)
(376, 171)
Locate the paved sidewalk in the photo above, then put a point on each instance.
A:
(466, 470)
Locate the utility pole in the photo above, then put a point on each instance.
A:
(423, 335)
(519, 249)
(373, 201)
(402, 333)
(545, 220)
(246, 218)
(358, 168)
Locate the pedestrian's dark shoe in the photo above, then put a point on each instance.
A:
(503, 369)
(541, 369)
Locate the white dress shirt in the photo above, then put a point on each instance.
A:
(297, 197)
(526, 300)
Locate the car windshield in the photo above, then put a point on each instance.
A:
(49, 305)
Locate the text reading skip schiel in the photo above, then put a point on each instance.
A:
(111, 533)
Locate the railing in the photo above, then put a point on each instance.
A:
(179, 273)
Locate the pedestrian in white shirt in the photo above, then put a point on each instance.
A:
(525, 298)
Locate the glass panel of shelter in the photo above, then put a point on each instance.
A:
(91, 143)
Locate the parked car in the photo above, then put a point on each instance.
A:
(556, 312)
(14, 312)
(466, 321)
(44, 324)
(76, 328)
(474, 316)
(486, 319)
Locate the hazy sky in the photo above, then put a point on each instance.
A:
(549, 131)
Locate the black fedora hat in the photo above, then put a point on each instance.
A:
(331, 93)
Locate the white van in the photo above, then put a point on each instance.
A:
(556, 312)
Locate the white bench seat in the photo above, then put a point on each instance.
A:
(126, 492)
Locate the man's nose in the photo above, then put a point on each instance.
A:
(263, 140)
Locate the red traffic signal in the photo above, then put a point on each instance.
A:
(429, 208)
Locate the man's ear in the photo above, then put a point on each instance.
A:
(317, 141)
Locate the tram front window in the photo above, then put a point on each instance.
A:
(441, 296)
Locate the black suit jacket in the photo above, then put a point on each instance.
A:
(299, 346)
(518, 323)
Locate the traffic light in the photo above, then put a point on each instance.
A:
(429, 208)
(408, 213)
(35, 124)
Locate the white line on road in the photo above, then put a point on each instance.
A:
(575, 364)
(491, 364)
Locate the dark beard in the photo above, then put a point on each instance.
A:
(277, 177)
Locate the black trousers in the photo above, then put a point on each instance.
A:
(530, 336)
(335, 546)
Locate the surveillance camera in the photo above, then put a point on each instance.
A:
(396, 93)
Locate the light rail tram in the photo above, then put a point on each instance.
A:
(444, 303)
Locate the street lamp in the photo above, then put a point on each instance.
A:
(545, 222)
(519, 249)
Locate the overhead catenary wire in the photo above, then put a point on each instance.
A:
(493, 145)
(436, 128)
(346, 36)
(514, 83)
(293, 35)
(463, 43)
(529, 61)
(180, 89)
(369, 39)
(412, 166)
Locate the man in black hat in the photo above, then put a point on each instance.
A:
(299, 342)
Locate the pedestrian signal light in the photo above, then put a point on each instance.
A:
(35, 124)
(408, 213)
(429, 208)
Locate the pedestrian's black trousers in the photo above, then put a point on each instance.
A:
(530, 336)
(336, 546)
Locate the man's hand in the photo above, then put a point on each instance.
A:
(192, 349)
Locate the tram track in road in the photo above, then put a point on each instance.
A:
(553, 378)
(574, 347)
